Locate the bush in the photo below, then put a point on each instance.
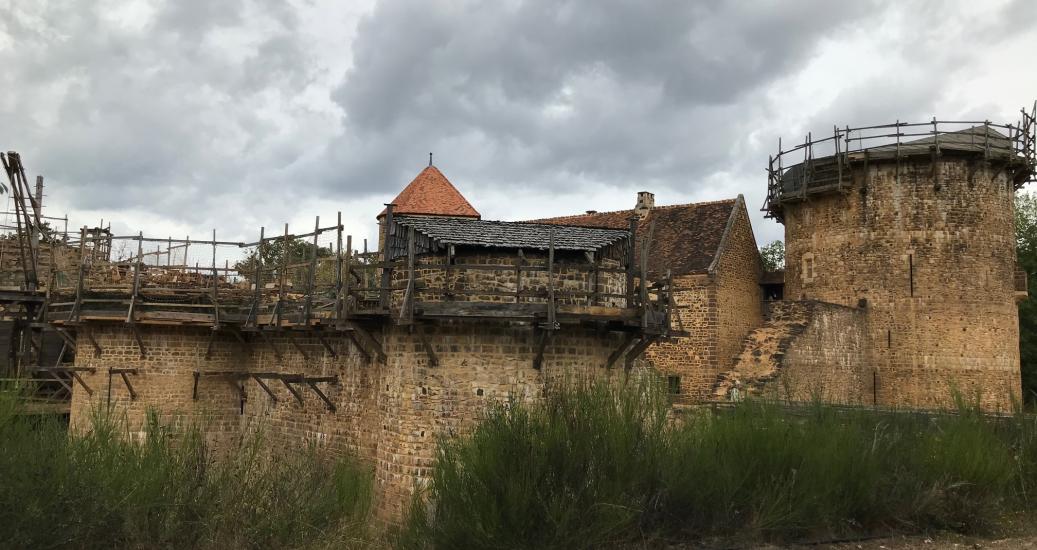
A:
(600, 464)
(100, 490)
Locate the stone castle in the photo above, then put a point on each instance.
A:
(900, 289)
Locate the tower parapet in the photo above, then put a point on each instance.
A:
(914, 223)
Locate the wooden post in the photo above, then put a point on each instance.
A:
(282, 278)
(551, 321)
(630, 262)
(644, 281)
(257, 281)
(136, 277)
(312, 282)
(74, 315)
(407, 307)
(386, 248)
(518, 275)
(338, 268)
(594, 277)
(215, 284)
(348, 282)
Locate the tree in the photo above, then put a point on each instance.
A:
(1026, 252)
(272, 254)
(773, 256)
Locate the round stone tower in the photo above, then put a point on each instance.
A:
(914, 224)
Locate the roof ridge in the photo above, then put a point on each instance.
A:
(663, 207)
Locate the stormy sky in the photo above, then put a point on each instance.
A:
(180, 117)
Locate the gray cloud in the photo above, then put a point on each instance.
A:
(232, 114)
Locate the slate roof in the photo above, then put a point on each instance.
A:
(972, 140)
(686, 238)
(467, 231)
(430, 193)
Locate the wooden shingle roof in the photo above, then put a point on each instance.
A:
(431, 194)
(685, 239)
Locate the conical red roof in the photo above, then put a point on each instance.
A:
(431, 194)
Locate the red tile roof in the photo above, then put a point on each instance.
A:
(430, 193)
(686, 236)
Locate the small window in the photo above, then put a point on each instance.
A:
(674, 384)
(808, 268)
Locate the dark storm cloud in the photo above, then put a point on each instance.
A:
(241, 112)
(610, 90)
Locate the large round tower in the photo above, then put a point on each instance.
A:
(915, 224)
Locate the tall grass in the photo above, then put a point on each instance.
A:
(101, 490)
(598, 464)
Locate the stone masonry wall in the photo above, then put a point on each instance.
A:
(478, 365)
(389, 414)
(694, 357)
(739, 296)
(571, 274)
(804, 351)
(931, 251)
(164, 379)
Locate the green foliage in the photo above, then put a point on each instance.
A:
(272, 255)
(773, 256)
(100, 490)
(1026, 251)
(599, 465)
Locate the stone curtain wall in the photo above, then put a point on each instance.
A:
(478, 365)
(933, 256)
(388, 414)
(353, 428)
(804, 351)
(164, 381)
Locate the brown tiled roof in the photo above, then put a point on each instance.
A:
(432, 194)
(686, 236)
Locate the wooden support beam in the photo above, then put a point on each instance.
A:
(407, 306)
(369, 341)
(359, 346)
(69, 341)
(77, 378)
(637, 350)
(277, 352)
(385, 260)
(631, 250)
(311, 282)
(90, 337)
(60, 380)
(327, 402)
(541, 346)
(628, 341)
(327, 346)
(433, 360)
(297, 346)
(257, 281)
(209, 344)
(295, 393)
(125, 380)
(264, 387)
(139, 340)
(552, 321)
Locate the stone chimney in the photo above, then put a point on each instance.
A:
(645, 203)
